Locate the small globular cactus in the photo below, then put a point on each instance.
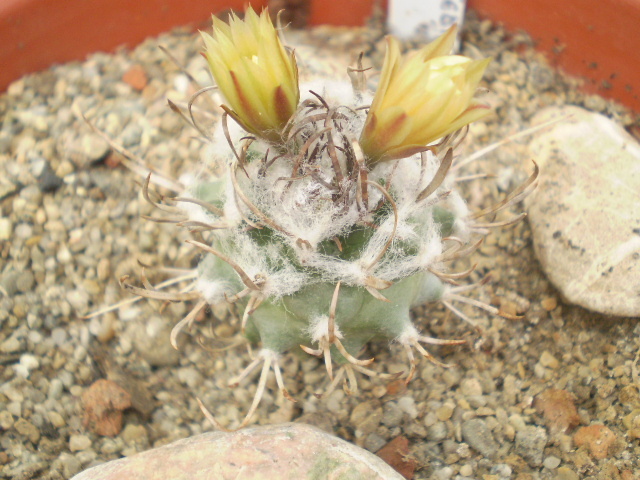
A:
(331, 211)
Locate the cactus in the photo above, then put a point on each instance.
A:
(332, 211)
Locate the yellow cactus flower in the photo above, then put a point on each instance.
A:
(421, 97)
(256, 75)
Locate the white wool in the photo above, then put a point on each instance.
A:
(430, 249)
(285, 281)
(196, 213)
(334, 92)
(332, 269)
(378, 241)
(302, 207)
(212, 154)
(318, 329)
(267, 263)
(460, 210)
(213, 291)
(188, 179)
(408, 336)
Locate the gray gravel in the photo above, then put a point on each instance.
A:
(71, 226)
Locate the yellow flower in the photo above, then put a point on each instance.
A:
(256, 75)
(421, 97)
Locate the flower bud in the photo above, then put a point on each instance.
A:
(256, 75)
(421, 97)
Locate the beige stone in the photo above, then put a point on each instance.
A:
(585, 213)
(288, 451)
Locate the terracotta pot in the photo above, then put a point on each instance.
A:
(35, 34)
(596, 39)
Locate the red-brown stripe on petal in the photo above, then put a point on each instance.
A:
(392, 128)
(247, 108)
(370, 125)
(282, 106)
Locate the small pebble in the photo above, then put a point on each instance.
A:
(6, 228)
(135, 434)
(6, 420)
(136, 77)
(444, 413)
(79, 442)
(408, 406)
(443, 473)
(598, 438)
(548, 360)
(551, 462)
(56, 419)
(530, 443)
(25, 282)
(392, 414)
(501, 471)
(565, 473)
(471, 387)
(94, 148)
(28, 429)
(437, 432)
(549, 303)
(70, 464)
(476, 433)
(466, 470)
(366, 416)
(27, 363)
(48, 181)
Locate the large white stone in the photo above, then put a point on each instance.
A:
(291, 451)
(585, 213)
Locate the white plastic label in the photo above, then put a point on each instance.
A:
(425, 19)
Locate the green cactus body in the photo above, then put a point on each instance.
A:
(326, 224)
(283, 323)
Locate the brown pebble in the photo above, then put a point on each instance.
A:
(396, 454)
(558, 409)
(627, 475)
(113, 160)
(508, 307)
(103, 404)
(597, 438)
(396, 387)
(136, 77)
(549, 303)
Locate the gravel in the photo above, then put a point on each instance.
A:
(71, 227)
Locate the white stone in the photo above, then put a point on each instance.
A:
(27, 363)
(290, 450)
(551, 462)
(79, 442)
(585, 213)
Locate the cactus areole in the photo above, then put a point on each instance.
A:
(333, 210)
